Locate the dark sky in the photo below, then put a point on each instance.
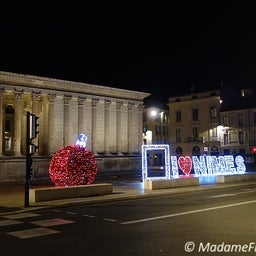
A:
(149, 46)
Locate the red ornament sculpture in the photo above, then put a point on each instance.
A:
(73, 165)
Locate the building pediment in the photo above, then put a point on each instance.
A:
(51, 84)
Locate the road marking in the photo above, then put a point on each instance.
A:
(9, 222)
(221, 195)
(33, 232)
(232, 194)
(186, 213)
(21, 215)
(74, 213)
(89, 216)
(56, 210)
(107, 219)
(51, 222)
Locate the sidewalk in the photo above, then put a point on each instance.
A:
(12, 195)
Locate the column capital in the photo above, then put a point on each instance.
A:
(107, 103)
(2, 89)
(18, 94)
(130, 105)
(94, 102)
(81, 100)
(36, 95)
(51, 97)
(67, 98)
(140, 107)
(119, 104)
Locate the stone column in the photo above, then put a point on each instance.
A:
(51, 122)
(44, 126)
(130, 127)
(1, 120)
(140, 127)
(81, 127)
(18, 122)
(118, 127)
(35, 110)
(106, 127)
(66, 101)
(94, 120)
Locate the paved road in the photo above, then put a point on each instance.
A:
(199, 221)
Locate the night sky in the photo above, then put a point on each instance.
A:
(151, 46)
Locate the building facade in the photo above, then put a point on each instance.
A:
(238, 131)
(213, 123)
(110, 117)
(193, 123)
(238, 123)
(155, 125)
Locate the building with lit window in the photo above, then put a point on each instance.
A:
(110, 117)
(214, 122)
(193, 123)
(156, 125)
(237, 129)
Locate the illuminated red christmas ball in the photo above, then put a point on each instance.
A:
(73, 165)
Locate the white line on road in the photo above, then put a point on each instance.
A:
(74, 213)
(188, 212)
(89, 216)
(107, 219)
(221, 195)
(232, 194)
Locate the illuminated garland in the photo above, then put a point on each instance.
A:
(73, 165)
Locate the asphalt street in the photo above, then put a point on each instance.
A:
(196, 222)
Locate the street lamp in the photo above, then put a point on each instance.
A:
(154, 113)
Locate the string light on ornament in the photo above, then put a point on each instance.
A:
(73, 165)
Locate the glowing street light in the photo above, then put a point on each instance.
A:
(153, 113)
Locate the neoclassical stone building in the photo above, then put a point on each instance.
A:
(110, 117)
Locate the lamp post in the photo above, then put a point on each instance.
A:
(161, 127)
(154, 113)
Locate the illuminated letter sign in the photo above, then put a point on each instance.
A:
(213, 165)
(155, 162)
(158, 164)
